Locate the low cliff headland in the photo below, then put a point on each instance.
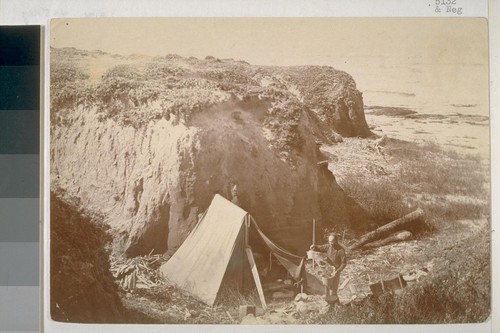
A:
(147, 142)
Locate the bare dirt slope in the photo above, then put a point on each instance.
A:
(83, 288)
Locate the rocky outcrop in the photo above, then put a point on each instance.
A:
(146, 142)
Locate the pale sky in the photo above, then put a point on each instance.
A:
(442, 60)
(283, 41)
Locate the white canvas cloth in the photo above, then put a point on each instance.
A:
(198, 266)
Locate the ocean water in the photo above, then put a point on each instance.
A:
(428, 88)
(451, 101)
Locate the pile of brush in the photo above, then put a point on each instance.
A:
(138, 272)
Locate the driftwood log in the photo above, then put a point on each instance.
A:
(398, 236)
(386, 229)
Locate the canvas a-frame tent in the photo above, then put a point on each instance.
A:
(219, 244)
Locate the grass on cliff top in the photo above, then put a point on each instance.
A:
(134, 90)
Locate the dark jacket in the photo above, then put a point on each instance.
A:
(335, 256)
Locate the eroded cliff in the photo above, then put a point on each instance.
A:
(145, 143)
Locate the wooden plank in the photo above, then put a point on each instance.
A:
(246, 310)
(230, 317)
(255, 274)
(314, 231)
(247, 231)
(344, 283)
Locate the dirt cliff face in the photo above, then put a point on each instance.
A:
(82, 287)
(145, 143)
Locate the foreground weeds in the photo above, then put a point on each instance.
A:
(458, 292)
(232, 298)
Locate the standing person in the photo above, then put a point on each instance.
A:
(335, 256)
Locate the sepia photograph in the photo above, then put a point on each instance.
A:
(269, 171)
